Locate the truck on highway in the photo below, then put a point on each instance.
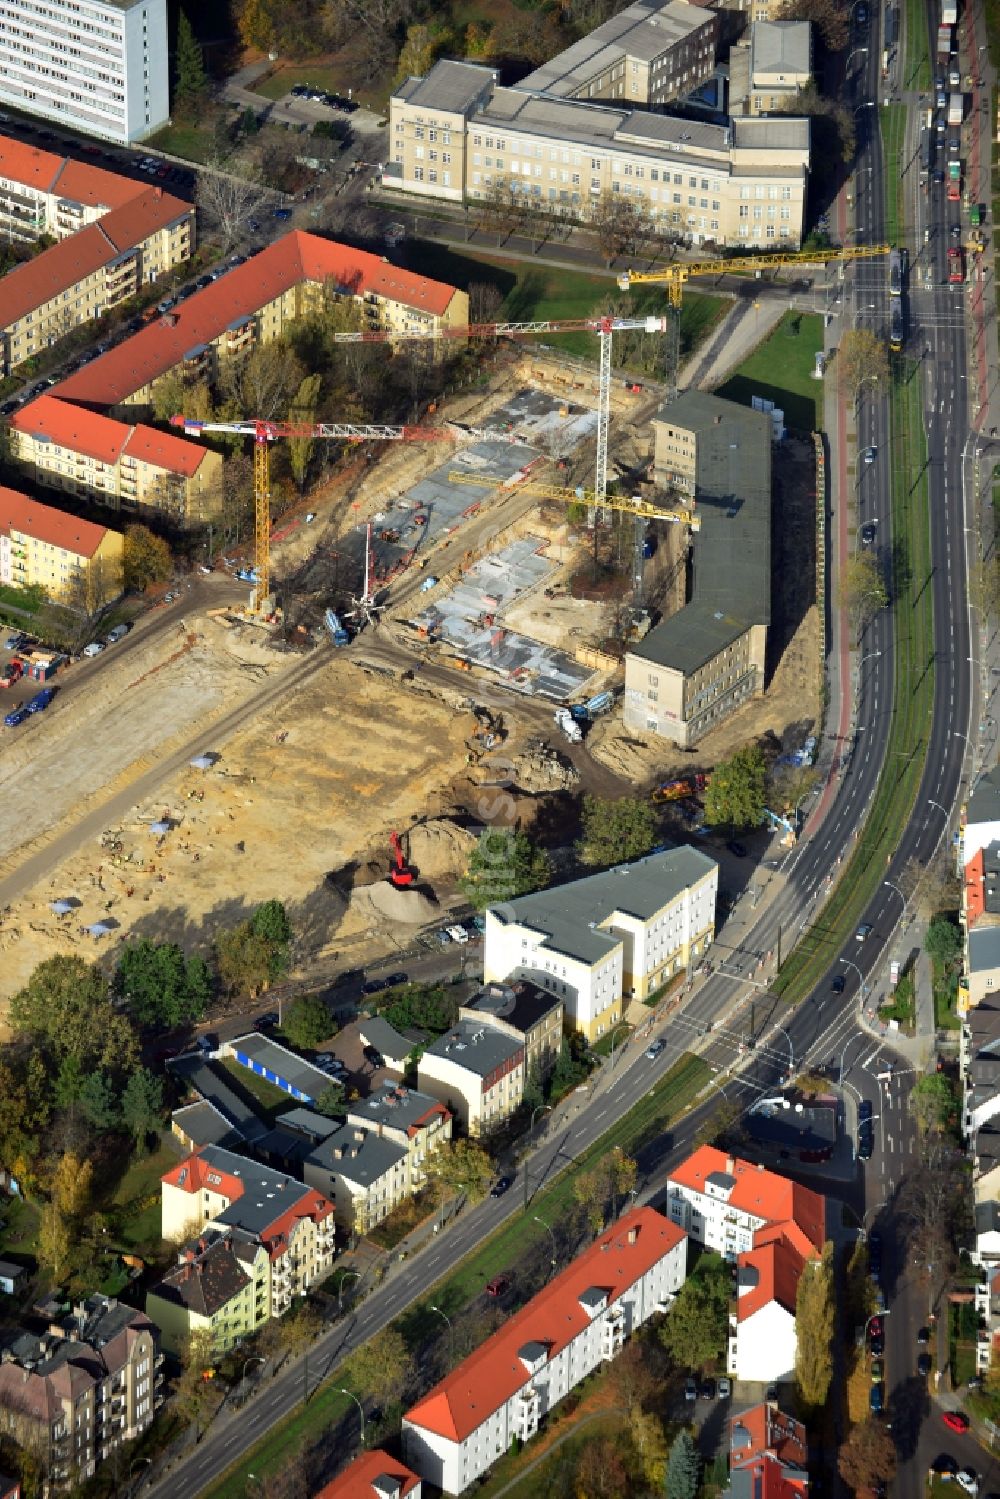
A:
(944, 43)
(956, 108)
(564, 720)
(949, 12)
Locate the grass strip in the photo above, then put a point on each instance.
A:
(893, 122)
(912, 699)
(917, 67)
(663, 1103)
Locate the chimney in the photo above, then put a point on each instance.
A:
(159, 193)
(633, 1235)
(760, 1165)
(730, 1165)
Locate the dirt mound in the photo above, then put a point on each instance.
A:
(439, 849)
(540, 769)
(382, 902)
(632, 756)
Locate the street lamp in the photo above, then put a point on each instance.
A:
(861, 978)
(535, 1219)
(246, 1364)
(542, 1108)
(858, 52)
(346, 1274)
(871, 656)
(932, 803)
(361, 1410)
(451, 1330)
(891, 885)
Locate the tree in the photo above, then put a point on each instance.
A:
(380, 1368)
(614, 832)
(147, 558)
(604, 1186)
(863, 359)
(621, 223)
(307, 1021)
(943, 941)
(332, 1101)
(933, 1103)
(683, 1468)
(262, 384)
(735, 794)
(791, 784)
(173, 393)
(161, 987)
(831, 19)
(862, 589)
(868, 1457)
(97, 1101)
(24, 1110)
(724, 1126)
(71, 1185)
(54, 1240)
(694, 1333)
(463, 1167)
(634, 1378)
(190, 80)
(815, 1315)
(66, 1008)
(142, 1105)
(485, 301)
(418, 52)
(226, 203)
(500, 209)
(505, 863)
(601, 1471)
(303, 409)
(646, 1432)
(270, 921)
(197, 1395)
(426, 1007)
(244, 959)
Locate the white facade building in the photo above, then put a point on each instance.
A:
(93, 65)
(580, 1320)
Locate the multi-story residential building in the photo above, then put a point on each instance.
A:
(581, 1319)
(620, 933)
(100, 66)
(415, 1121)
(125, 466)
(979, 1067)
(526, 1012)
(367, 1177)
(768, 1455)
(772, 1228)
(696, 668)
(770, 68)
(457, 134)
(648, 54)
(221, 1285)
(83, 1388)
(73, 560)
(373, 1475)
(294, 1223)
(42, 192)
(477, 1072)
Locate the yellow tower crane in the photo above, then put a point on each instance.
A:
(674, 276)
(634, 504)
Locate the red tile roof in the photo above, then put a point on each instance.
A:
(28, 165)
(235, 298)
(77, 181)
(758, 1192)
(142, 216)
(45, 523)
(765, 1428)
(485, 1380)
(192, 1176)
(101, 437)
(778, 1266)
(358, 1480)
(975, 888)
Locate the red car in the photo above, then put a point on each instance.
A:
(498, 1285)
(957, 1420)
(875, 1327)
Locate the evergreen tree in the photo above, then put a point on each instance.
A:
(190, 80)
(683, 1468)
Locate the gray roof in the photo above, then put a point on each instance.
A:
(987, 1217)
(395, 1106)
(566, 914)
(731, 576)
(991, 879)
(207, 1280)
(641, 32)
(521, 1003)
(267, 1193)
(450, 86)
(984, 948)
(385, 1038)
(984, 803)
(281, 1062)
(10, 1271)
(781, 47)
(359, 1155)
(203, 1124)
(476, 1047)
(771, 133)
(307, 1122)
(986, 1147)
(210, 1081)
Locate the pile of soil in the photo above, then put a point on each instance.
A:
(439, 849)
(382, 902)
(540, 769)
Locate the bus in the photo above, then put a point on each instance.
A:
(897, 326)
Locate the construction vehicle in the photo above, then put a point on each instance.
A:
(12, 672)
(400, 874)
(263, 434)
(593, 708)
(631, 504)
(675, 791)
(564, 720)
(335, 629)
(775, 820)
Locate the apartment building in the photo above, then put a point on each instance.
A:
(525, 1011)
(128, 467)
(81, 1389)
(697, 667)
(979, 914)
(769, 69)
(456, 134)
(42, 192)
(99, 66)
(415, 1121)
(367, 1177)
(373, 1475)
(72, 559)
(293, 1222)
(768, 1455)
(648, 54)
(580, 1320)
(597, 941)
(477, 1072)
(221, 1285)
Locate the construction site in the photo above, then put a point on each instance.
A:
(480, 596)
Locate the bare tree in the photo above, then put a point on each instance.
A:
(863, 359)
(485, 301)
(622, 224)
(262, 384)
(226, 202)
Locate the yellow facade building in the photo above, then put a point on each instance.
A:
(75, 561)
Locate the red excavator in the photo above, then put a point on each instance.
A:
(400, 875)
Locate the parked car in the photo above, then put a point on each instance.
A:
(878, 1371)
(923, 1365)
(653, 1051)
(923, 1336)
(15, 717)
(864, 931)
(16, 641)
(875, 1327)
(283, 214)
(969, 1480)
(41, 700)
(118, 633)
(707, 1391)
(94, 648)
(839, 984)
(374, 1057)
(501, 1185)
(266, 1021)
(725, 1389)
(323, 1059)
(690, 1390)
(738, 850)
(498, 1285)
(458, 934)
(875, 1399)
(955, 1420)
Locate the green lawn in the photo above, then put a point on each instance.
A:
(330, 76)
(502, 1251)
(19, 1234)
(892, 118)
(189, 142)
(135, 1203)
(781, 371)
(271, 1100)
(945, 994)
(962, 1324)
(917, 68)
(541, 1479)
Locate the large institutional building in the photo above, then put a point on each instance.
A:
(100, 66)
